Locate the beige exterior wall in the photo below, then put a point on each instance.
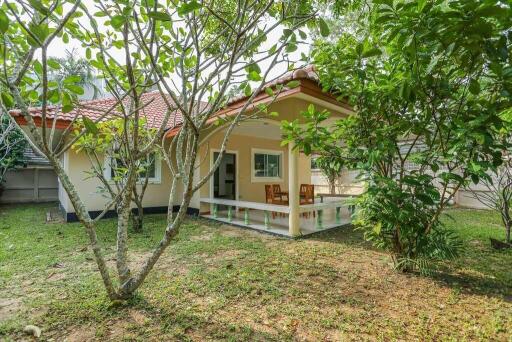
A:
(157, 194)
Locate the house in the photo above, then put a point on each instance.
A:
(254, 157)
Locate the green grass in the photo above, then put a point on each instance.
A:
(221, 283)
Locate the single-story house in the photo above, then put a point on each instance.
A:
(254, 158)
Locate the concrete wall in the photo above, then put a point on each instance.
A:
(348, 184)
(31, 184)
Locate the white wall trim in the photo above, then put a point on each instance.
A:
(325, 104)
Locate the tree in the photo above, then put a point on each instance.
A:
(331, 167)
(498, 195)
(108, 142)
(167, 45)
(430, 81)
(12, 146)
(72, 66)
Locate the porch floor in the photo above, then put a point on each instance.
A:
(279, 224)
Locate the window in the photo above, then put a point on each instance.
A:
(152, 167)
(267, 165)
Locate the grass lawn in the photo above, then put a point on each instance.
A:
(222, 283)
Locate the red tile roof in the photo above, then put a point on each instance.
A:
(154, 107)
(307, 72)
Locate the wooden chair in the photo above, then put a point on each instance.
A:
(276, 188)
(307, 196)
(272, 198)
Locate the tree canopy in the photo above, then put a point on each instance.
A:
(431, 82)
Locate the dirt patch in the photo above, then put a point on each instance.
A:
(137, 316)
(223, 255)
(9, 307)
(56, 276)
(81, 334)
(237, 232)
(203, 236)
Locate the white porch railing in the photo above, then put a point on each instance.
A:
(270, 208)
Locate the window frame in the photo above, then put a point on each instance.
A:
(254, 178)
(107, 171)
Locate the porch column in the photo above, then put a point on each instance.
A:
(293, 190)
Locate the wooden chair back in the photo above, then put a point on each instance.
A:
(269, 193)
(276, 188)
(303, 188)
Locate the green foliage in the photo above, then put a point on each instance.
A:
(107, 138)
(12, 145)
(431, 83)
(396, 219)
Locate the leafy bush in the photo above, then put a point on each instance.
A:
(400, 220)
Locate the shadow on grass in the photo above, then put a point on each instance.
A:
(347, 235)
(139, 319)
(478, 272)
(184, 323)
(474, 285)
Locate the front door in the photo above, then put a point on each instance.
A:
(224, 178)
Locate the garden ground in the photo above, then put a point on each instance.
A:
(222, 283)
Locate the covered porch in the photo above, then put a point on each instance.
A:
(255, 159)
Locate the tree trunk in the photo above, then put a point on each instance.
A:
(332, 188)
(507, 227)
(332, 184)
(138, 218)
(124, 211)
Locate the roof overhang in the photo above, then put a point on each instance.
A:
(307, 90)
